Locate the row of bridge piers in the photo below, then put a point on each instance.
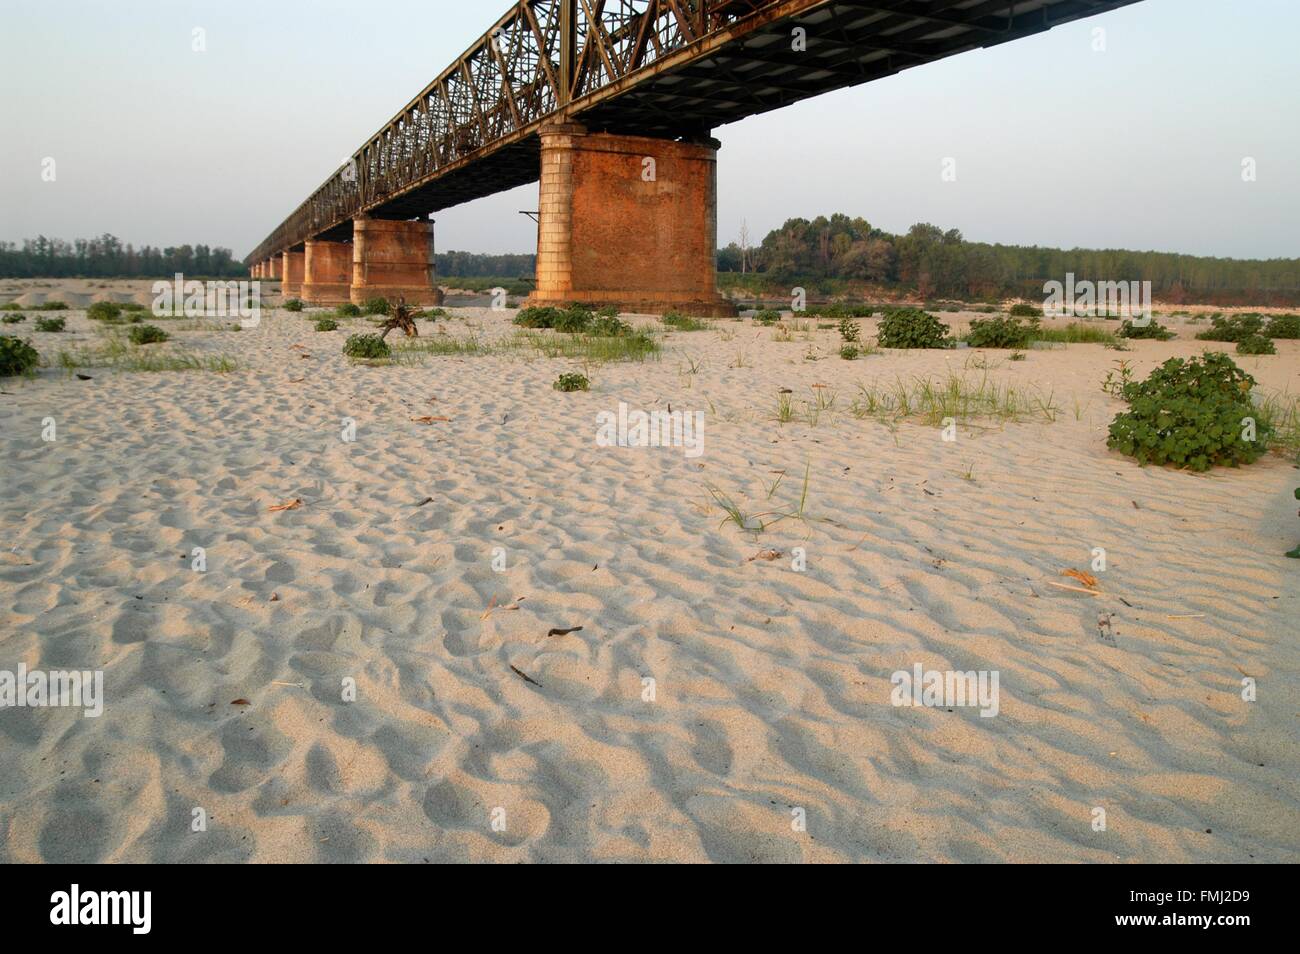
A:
(628, 221)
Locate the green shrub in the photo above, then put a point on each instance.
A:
(912, 328)
(609, 311)
(1002, 332)
(572, 382)
(1251, 344)
(841, 310)
(10, 306)
(537, 317)
(50, 324)
(13, 319)
(326, 324)
(134, 306)
(146, 334)
(573, 320)
(849, 352)
(1152, 329)
(53, 306)
(1022, 310)
(1190, 413)
(1283, 326)
(1232, 328)
(375, 306)
(347, 310)
(609, 326)
(16, 356)
(368, 347)
(432, 314)
(293, 304)
(767, 316)
(850, 330)
(109, 311)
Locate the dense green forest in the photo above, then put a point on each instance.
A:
(934, 263)
(107, 257)
(824, 254)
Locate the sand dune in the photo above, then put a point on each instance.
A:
(771, 690)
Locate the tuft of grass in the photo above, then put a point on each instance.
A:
(685, 322)
(925, 400)
(1075, 333)
(597, 350)
(115, 355)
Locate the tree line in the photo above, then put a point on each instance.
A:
(935, 263)
(108, 257)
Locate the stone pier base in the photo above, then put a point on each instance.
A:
(326, 273)
(393, 260)
(291, 268)
(628, 221)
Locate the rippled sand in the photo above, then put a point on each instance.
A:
(771, 687)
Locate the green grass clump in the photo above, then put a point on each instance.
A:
(1283, 326)
(326, 324)
(1022, 310)
(133, 306)
(572, 381)
(13, 319)
(589, 348)
(912, 328)
(684, 322)
(293, 304)
(347, 310)
(115, 354)
(50, 324)
(573, 320)
(11, 306)
(367, 347)
(147, 334)
(17, 356)
(375, 306)
(431, 314)
(1191, 413)
(849, 352)
(959, 397)
(767, 316)
(1251, 344)
(53, 306)
(1002, 332)
(109, 311)
(1232, 328)
(1075, 333)
(1152, 330)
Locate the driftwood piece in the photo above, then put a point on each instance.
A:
(401, 319)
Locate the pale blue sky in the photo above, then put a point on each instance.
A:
(1137, 147)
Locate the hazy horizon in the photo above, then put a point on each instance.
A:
(1138, 147)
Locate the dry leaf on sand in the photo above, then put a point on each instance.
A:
(1087, 579)
(768, 555)
(293, 504)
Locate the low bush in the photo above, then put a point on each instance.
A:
(13, 319)
(347, 310)
(1151, 330)
(1002, 332)
(767, 316)
(572, 381)
(1023, 310)
(147, 334)
(849, 352)
(912, 328)
(109, 311)
(609, 326)
(293, 304)
(1251, 344)
(367, 347)
(1191, 413)
(375, 306)
(50, 324)
(850, 330)
(53, 306)
(1283, 326)
(16, 356)
(326, 324)
(1232, 328)
(684, 322)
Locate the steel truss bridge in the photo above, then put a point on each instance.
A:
(663, 68)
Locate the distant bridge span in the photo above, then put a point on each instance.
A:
(581, 85)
